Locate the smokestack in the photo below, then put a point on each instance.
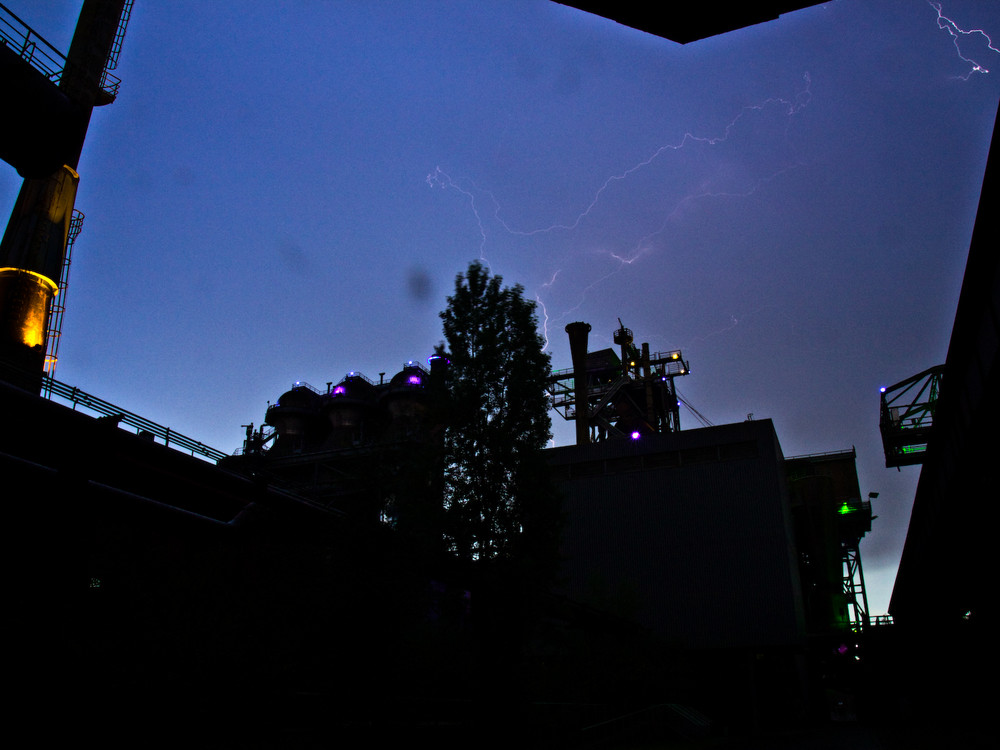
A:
(33, 248)
(578, 333)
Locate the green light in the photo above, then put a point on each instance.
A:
(845, 508)
(914, 448)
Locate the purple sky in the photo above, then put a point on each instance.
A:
(286, 190)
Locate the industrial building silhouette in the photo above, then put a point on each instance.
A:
(706, 541)
(269, 588)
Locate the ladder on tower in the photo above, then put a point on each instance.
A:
(58, 305)
(109, 81)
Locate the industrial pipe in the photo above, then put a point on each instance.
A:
(578, 333)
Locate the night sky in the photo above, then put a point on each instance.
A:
(286, 190)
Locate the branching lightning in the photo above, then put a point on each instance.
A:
(545, 312)
(958, 33)
(477, 197)
(438, 179)
(494, 221)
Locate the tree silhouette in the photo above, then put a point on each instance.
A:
(498, 501)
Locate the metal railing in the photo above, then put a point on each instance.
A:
(170, 438)
(116, 44)
(30, 45)
(307, 386)
(34, 49)
(852, 452)
(355, 374)
(110, 84)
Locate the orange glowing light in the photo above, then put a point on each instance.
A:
(25, 297)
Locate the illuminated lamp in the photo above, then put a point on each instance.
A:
(339, 390)
(25, 296)
(882, 389)
(635, 435)
(413, 380)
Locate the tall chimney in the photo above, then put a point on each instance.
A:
(578, 333)
(33, 248)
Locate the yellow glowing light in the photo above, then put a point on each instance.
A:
(63, 195)
(25, 296)
(44, 280)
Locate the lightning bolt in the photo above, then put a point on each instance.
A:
(545, 312)
(792, 107)
(545, 321)
(439, 179)
(493, 222)
(957, 33)
(487, 208)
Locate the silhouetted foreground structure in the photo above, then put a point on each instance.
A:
(347, 446)
(947, 549)
(157, 583)
(274, 597)
(54, 97)
(610, 396)
(732, 575)
(945, 591)
(688, 22)
(709, 539)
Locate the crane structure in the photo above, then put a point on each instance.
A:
(907, 416)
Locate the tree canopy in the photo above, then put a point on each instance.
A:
(498, 501)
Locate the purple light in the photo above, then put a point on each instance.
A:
(413, 380)
(339, 390)
(635, 434)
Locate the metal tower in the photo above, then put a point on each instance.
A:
(855, 520)
(612, 396)
(54, 96)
